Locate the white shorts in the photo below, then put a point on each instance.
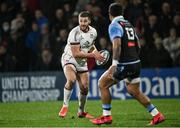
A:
(79, 64)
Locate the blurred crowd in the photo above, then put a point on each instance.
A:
(33, 33)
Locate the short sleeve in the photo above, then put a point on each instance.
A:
(95, 34)
(73, 37)
(115, 30)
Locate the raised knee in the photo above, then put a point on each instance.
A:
(102, 84)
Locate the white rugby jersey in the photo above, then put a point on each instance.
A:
(86, 40)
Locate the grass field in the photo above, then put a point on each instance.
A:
(126, 113)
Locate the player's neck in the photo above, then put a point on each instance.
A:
(85, 30)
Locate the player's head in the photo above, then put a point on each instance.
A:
(115, 9)
(84, 20)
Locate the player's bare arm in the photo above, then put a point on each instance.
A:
(77, 53)
(116, 48)
(116, 54)
(98, 56)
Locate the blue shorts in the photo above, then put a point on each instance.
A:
(128, 71)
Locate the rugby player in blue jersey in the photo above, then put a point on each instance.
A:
(126, 66)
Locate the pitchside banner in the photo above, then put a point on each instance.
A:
(31, 86)
(48, 86)
(156, 83)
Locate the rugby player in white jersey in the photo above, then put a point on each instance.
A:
(80, 46)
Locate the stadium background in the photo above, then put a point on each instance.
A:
(33, 34)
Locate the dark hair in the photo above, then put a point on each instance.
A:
(115, 9)
(85, 14)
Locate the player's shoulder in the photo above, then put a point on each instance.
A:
(114, 26)
(92, 29)
(116, 22)
(75, 29)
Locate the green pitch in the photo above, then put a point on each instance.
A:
(128, 113)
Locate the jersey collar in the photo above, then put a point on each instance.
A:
(118, 18)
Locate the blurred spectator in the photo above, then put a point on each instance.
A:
(4, 13)
(67, 10)
(18, 52)
(143, 20)
(172, 45)
(159, 57)
(73, 21)
(144, 53)
(3, 51)
(99, 22)
(149, 28)
(40, 18)
(59, 21)
(176, 24)
(88, 7)
(134, 11)
(45, 61)
(18, 22)
(80, 4)
(7, 62)
(32, 41)
(98, 3)
(4, 31)
(166, 17)
(18, 28)
(60, 43)
(26, 13)
(33, 38)
(46, 38)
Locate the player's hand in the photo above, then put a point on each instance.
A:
(98, 56)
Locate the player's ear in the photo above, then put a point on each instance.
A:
(89, 21)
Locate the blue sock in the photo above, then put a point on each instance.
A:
(150, 107)
(106, 106)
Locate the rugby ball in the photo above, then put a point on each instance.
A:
(106, 55)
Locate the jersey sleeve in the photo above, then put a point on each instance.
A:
(115, 30)
(73, 37)
(95, 34)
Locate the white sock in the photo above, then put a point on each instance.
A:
(106, 112)
(82, 102)
(154, 112)
(67, 96)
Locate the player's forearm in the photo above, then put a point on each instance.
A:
(83, 55)
(116, 51)
(116, 48)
